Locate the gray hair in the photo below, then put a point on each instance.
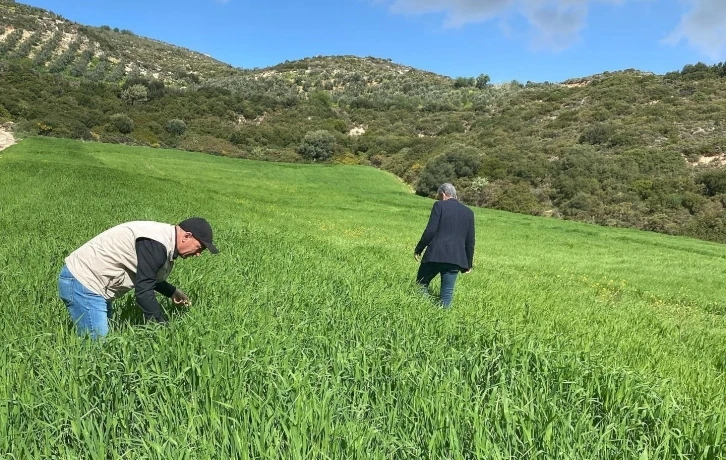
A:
(448, 189)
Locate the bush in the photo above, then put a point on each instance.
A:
(68, 56)
(694, 202)
(317, 145)
(482, 81)
(458, 162)
(122, 123)
(11, 40)
(714, 181)
(135, 94)
(209, 144)
(516, 198)
(598, 134)
(451, 126)
(46, 51)
(176, 126)
(463, 82)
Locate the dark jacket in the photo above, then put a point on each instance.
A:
(449, 235)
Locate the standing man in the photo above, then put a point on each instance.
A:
(449, 243)
(134, 255)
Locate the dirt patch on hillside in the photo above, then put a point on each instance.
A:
(714, 160)
(6, 137)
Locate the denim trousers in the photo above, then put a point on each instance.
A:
(427, 271)
(89, 311)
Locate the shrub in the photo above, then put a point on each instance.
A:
(317, 145)
(46, 51)
(622, 139)
(237, 137)
(176, 126)
(209, 144)
(482, 81)
(122, 123)
(135, 94)
(463, 82)
(459, 161)
(714, 181)
(24, 49)
(598, 134)
(66, 58)
(451, 126)
(694, 202)
(11, 40)
(517, 198)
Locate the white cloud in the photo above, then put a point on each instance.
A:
(704, 28)
(555, 24)
(458, 12)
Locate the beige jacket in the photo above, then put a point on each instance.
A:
(107, 264)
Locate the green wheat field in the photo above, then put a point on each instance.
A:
(307, 338)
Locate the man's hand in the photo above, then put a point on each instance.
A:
(180, 298)
(417, 256)
(467, 271)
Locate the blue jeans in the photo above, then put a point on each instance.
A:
(89, 311)
(427, 271)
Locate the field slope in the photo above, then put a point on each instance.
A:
(307, 339)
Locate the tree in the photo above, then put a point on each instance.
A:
(516, 198)
(463, 82)
(458, 162)
(714, 181)
(317, 145)
(122, 123)
(154, 88)
(135, 94)
(482, 81)
(598, 134)
(176, 126)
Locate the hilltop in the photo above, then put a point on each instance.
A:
(48, 39)
(623, 148)
(56, 44)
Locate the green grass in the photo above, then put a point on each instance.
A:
(307, 338)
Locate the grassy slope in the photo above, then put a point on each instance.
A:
(306, 334)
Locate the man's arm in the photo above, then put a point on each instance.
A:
(431, 228)
(470, 242)
(165, 289)
(151, 256)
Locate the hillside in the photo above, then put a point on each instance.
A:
(623, 148)
(56, 44)
(306, 337)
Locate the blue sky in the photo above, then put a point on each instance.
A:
(537, 40)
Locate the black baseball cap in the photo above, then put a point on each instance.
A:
(201, 230)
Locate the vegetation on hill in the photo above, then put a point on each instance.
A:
(308, 339)
(625, 148)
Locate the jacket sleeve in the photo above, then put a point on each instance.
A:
(431, 228)
(470, 242)
(165, 288)
(151, 256)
